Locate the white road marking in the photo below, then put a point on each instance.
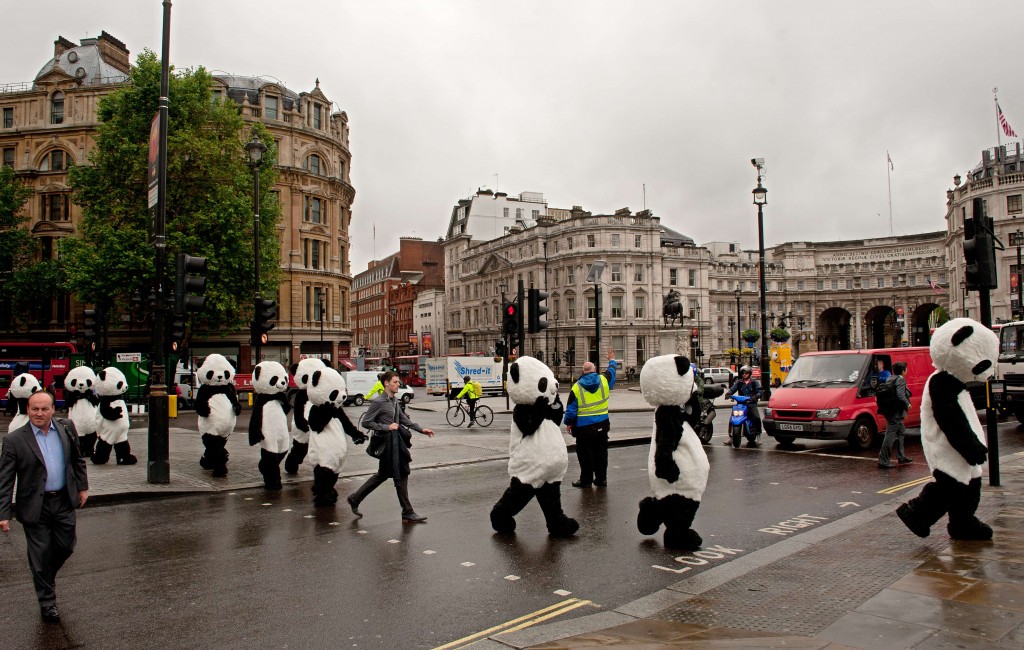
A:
(360, 532)
(394, 541)
(231, 494)
(429, 552)
(467, 564)
(334, 523)
(511, 578)
(307, 516)
(266, 504)
(248, 498)
(287, 510)
(561, 592)
(737, 479)
(773, 484)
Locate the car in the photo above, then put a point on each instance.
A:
(718, 376)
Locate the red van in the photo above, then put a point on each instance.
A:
(830, 395)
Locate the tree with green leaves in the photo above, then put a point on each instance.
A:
(209, 199)
(17, 251)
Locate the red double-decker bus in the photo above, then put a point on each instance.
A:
(47, 362)
(412, 369)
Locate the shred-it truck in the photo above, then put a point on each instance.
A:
(445, 374)
(1010, 368)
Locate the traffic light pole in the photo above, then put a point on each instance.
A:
(597, 327)
(256, 251)
(991, 417)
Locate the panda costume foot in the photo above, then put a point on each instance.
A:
(324, 494)
(972, 530)
(270, 468)
(295, 458)
(682, 540)
(123, 453)
(649, 519)
(87, 443)
(101, 454)
(511, 503)
(549, 496)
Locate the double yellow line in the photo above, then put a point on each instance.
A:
(520, 623)
(904, 486)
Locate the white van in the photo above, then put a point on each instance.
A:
(359, 383)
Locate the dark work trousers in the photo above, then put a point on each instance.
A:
(895, 433)
(50, 544)
(401, 488)
(592, 451)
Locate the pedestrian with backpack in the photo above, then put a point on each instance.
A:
(893, 400)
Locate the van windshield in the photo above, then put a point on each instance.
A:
(826, 370)
(1011, 342)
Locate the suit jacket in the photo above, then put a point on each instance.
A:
(21, 457)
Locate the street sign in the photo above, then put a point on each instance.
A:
(153, 171)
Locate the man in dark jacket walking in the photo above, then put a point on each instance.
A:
(385, 417)
(586, 418)
(895, 432)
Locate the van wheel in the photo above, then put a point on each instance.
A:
(358, 401)
(1019, 412)
(863, 434)
(786, 442)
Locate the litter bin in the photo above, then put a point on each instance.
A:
(172, 406)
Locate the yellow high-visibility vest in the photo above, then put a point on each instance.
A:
(598, 404)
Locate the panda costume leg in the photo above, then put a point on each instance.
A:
(678, 513)
(270, 468)
(649, 519)
(296, 455)
(549, 496)
(511, 503)
(920, 513)
(963, 524)
(324, 480)
(123, 453)
(87, 444)
(215, 456)
(101, 454)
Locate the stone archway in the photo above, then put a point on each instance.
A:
(833, 329)
(923, 320)
(880, 328)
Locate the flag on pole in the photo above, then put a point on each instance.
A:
(935, 286)
(889, 158)
(1007, 129)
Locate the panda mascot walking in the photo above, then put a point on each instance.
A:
(953, 441)
(114, 424)
(217, 407)
(83, 406)
(302, 372)
(328, 426)
(268, 426)
(17, 399)
(677, 465)
(538, 457)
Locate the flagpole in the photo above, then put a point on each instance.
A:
(999, 138)
(888, 175)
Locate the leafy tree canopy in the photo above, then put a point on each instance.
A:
(16, 249)
(209, 198)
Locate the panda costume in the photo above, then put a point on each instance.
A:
(952, 438)
(302, 372)
(677, 465)
(328, 425)
(538, 457)
(112, 432)
(17, 399)
(268, 426)
(217, 407)
(83, 406)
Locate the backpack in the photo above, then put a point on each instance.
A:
(886, 399)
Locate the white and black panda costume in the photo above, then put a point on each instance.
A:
(677, 465)
(538, 457)
(17, 399)
(328, 426)
(302, 372)
(83, 406)
(114, 423)
(218, 408)
(268, 426)
(951, 434)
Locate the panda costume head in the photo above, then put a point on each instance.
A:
(303, 371)
(269, 378)
(24, 385)
(80, 380)
(965, 349)
(532, 381)
(667, 380)
(326, 386)
(215, 371)
(110, 382)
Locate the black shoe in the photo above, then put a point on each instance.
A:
(355, 507)
(581, 484)
(904, 461)
(889, 466)
(50, 614)
(601, 483)
(414, 518)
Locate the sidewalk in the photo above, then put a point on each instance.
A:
(863, 581)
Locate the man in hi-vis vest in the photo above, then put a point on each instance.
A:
(586, 418)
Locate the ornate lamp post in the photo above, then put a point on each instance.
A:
(739, 328)
(320, 304)
(255, 149)
(760, 200)
(732, 357)
(392, 312)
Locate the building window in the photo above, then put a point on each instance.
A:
(616, 306)
(570, 275)
(591, 307)
(56, 207)
(619, 346)
(694, 306)
(311, 209)
(615, 241)
(504, 212)
(519, 214)
(568, 243)
(8, 157)
(216, 96)
(800, 285)
(317, 312)
(9, 119)
(835, 283)
(1013, 202)
(270, 107)
(691, 278)
(317, 116)
(555, 311)
(638, 273)
(638, 306)
(881, 282)
(54, 161)
(314, 165)
(535, 214)
(591, 241)
(616, 273)
(638, 241)
(57, 108)
(570, 308)
(821, 285)
(673, 277)
(641, 350)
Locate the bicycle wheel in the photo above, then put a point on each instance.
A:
(455, 416)
(484, 416)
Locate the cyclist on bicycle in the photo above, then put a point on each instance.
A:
(376, 389)
(472, 391)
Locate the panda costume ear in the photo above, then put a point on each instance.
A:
(256, 373)
(682, 365)
(103, 375)
(962, 334)
(316, 378)
(294, 368)
(513, 372)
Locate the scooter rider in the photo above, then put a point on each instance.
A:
(747, 386)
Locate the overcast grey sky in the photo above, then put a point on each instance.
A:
(587, 101)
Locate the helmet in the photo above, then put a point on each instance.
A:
(745, 369)
(467, 379)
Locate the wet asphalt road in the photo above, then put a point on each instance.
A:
(248, 568)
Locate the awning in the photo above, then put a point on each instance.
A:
(348, 364)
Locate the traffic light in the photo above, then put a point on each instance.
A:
(535, 297)
(189, 285)
(979, 249)
(512, 323)
(91, 331)
(266, 311)
(176, 334)
(499, 348)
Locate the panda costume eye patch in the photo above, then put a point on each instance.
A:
(981, 367)
(542, 385)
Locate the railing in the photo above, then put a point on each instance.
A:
(17, 87)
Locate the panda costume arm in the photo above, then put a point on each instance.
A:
(202, 404)
(319, 416)
(557, 411)
(256, 419)
(301, 397)
(668, 428)
(357, 436)
(109, 413)
(233, 398)
(528, 417)
(944, 390)
(70, 398)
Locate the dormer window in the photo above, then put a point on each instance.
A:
(317, 115)
(270, 107)
(57, 108)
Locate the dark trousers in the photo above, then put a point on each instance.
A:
(50, 543)
(592, 451)
(401, 488)
(471, 403)
(895, 433)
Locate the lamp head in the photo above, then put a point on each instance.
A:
(757, 162)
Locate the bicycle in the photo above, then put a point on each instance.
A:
(457, 414)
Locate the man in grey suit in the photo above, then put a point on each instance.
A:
(45, 458)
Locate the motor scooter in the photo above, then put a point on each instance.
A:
(739, 422)
(705, 429)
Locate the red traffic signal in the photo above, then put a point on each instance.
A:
(511, 309)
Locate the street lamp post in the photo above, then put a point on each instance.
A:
(760, 200)
(392, 312)
(1017, 239)
(320, 303)
(255, 149)
(739, 328)
(732, 357)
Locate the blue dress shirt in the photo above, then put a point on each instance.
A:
(53, 457)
